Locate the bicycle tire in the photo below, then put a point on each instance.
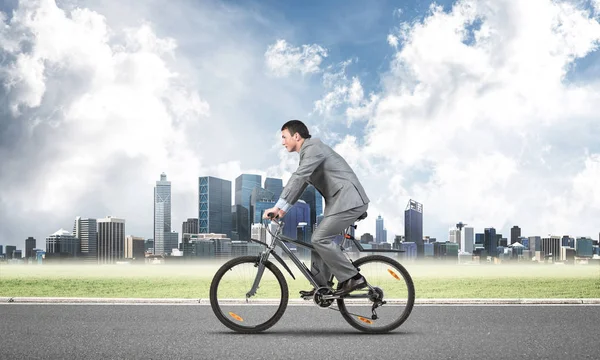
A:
(248, 329)
(346, 314)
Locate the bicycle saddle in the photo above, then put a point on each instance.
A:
(362, 217)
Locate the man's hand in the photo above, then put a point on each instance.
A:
(281, 213)
(274, 210)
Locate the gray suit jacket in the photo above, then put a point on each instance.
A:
(329, 173)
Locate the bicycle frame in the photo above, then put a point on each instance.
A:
(278, 239)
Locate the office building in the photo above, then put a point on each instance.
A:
(366, 238)
(379, 236)
(162, 213)
(190, 226)
(244, 184)
(239, 223)
(490, 242)
(467, 241)
(550, 246)
(29, 246)
(62, 243)
(299, 213)
(86, 230)
(413, 225)
(584, 247)
(111, 240)
(454, 236)
(314, 199)
(275, 186)
(515, 234)
(134, 247)
(10, 249)
(214, 206)
(171, 242)
(260, 199)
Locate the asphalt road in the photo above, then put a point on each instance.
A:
(91, 332)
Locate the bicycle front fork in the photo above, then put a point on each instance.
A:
(261, 269)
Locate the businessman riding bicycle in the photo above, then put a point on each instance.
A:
(345, 201)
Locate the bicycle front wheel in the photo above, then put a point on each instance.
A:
(242, 313)
(390, 301)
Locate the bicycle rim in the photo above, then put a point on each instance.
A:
(389, 277)
(248, 314)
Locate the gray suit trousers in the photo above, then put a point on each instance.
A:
(328, 258)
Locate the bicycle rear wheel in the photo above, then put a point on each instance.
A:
(394, 292)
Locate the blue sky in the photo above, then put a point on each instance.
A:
(486, 112)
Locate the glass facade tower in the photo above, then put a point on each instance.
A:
(214, 206)
(379, 236)
(162, 213)
(413, 225)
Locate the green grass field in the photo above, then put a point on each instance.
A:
(193, 281)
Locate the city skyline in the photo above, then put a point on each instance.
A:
(413, 208)
(483, 118)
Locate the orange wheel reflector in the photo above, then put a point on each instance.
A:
(347, 236)
(394, 274)
(365, 320)
(236, 316)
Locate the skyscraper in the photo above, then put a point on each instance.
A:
(454, 236)
(275, 186)
(63, 242)
(214, 206)
(413, 225)
(86, 230)
(515, 234)
(171, 241)
(162, 213)
(111, 240)
(490, 241)
(258, 199)
(134, 247)
(190, 226)
(244, 185)
(314, 200)
(467, 240)
(379, 229)
(29, 246)
(299, 213)
(10, 249)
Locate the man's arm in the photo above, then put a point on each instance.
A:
(298, 182)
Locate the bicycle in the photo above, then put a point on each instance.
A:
(390, 290)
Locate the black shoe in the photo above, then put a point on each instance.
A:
(350, 285)
(305, 293)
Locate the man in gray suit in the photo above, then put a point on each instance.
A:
(345, 202)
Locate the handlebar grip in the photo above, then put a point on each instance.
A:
(271, 215)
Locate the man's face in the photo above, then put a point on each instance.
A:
(288, 140)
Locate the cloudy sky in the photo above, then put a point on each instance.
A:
(487, 112)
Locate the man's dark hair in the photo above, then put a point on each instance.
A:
(296, 126)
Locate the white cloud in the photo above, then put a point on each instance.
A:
(342, 91)
(475, 130)
(282, 59)
(101, 104)
(121, 103)
(486, 131)
(596, 6)
(393, 40)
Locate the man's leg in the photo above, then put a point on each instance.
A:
(330, 254)
(319, 269)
